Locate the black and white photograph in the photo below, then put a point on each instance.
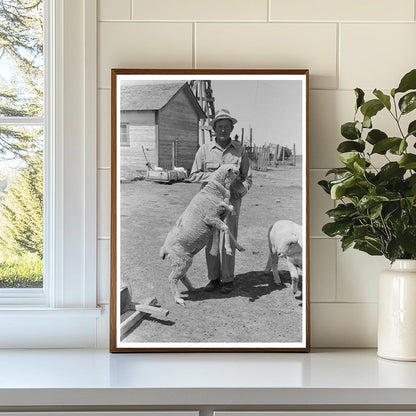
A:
(209, 214)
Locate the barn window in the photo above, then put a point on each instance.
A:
(124, 135)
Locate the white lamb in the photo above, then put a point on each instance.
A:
(285, 241)
(203, 215)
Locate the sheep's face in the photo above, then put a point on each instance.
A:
(229, 173)
(289, 249)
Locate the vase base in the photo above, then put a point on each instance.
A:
(395, 357)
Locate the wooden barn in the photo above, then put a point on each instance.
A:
(153, 116)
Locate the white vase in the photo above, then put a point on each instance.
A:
(397, 312)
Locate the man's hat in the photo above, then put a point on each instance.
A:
(222, 114)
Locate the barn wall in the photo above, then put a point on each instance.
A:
(132, 158)
(178, 120)
(142, 131)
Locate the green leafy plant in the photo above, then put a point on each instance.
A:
(376, 210)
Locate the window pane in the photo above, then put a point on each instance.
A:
(124, 134)
(21, 58)
(21, 146)
(21, 211)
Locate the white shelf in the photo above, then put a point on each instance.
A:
(56, 378)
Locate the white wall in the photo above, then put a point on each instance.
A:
(345, 44)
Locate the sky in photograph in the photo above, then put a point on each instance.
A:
(273, 108)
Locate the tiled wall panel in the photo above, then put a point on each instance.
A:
(341, 10)
(345, 44)
(104, 128)
(339, 325)
(272, 45)
(103, 270)
(357, 275)
(200, 10)
(323, 269)
(114, 10)
(143, 45)
(104, 203)
(328, 110)
(376, 55)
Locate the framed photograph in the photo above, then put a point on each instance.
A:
(209, 211)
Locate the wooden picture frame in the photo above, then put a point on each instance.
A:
(160, 118)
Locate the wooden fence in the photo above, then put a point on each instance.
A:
(270, 155)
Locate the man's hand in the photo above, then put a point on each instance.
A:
(238, 189)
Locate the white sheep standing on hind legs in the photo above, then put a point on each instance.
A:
(285, 241)
(203, 215)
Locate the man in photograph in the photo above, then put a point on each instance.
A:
(207, 159)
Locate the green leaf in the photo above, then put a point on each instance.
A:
(398, 149)
(349, 146)
(375, 135)
(383, 145)
(346, 242)
(402, 147)
(369, 201)
(338, 189)
(408, 82)
(411, 130)
(411, 180)
(367, 122)
(408, 102)
(342, 211)
(391, 212)
(361, 231)
(393, 249)
(325, 186)
(368, 248)
(375, 212)
(408, 161)
(411, 185)
(338, 171)
(371, 108)
(336, 228)
(354, 161)
(359, 94)
(359, 165)
(374, 242)
(407, 239)
(348, 158)
(385, 99)
(391, 170)
(349, 131)
(346, 186)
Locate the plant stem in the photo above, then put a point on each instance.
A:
(397, 118)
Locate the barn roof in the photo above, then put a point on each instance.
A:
(154, 96)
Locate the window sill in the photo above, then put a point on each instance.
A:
(330, 379)
(36, 311)
(39, 327)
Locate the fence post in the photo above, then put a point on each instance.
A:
(294, 154)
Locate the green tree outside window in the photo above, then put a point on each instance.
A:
(21, 143)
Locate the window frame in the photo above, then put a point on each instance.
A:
(28, 317)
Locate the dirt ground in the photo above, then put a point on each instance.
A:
(257, 310)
